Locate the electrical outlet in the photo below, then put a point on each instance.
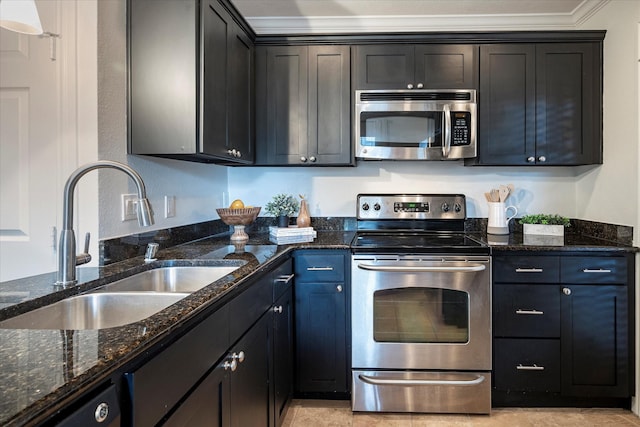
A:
(169, 206)
(129, 207)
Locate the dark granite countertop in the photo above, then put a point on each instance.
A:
(570, 242)
(41, 370)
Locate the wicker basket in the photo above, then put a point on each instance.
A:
(243, 216)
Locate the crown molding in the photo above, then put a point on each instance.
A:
(425, 23)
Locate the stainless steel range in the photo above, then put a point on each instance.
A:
(421, 307)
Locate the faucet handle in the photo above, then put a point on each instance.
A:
(84, 257)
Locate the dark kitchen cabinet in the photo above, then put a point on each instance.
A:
(420, 66)
(191, 81)
(563, 329)
(303, 103)
(230, 369)
(322, 328)
(283, 343)
(283, 351)
(540, 104)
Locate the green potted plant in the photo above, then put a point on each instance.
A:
(282, 206)
(544, 224)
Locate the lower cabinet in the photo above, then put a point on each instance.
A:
(563, 330)
(234, 368)
(322, 313)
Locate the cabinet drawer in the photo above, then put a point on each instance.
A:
(582, 269)
(526, 269)
(319, 267)
(526, 311)
(246, 308)
(282, 279)
(527, 365)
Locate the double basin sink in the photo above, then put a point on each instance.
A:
(125, 301)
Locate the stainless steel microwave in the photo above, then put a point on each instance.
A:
(415, 124)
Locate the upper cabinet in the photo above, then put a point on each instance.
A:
(540, 104)
(420, 66)
(303, 109)
(191, 81)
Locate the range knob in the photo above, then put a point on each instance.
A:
(365, 207)
(445, 207)
(457, 207)
(376, 207)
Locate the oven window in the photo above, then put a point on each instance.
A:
(421, 315)
(401, 129)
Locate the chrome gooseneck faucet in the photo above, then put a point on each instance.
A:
(67, 260)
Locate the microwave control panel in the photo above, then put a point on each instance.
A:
(460, 128)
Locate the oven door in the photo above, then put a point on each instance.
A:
(417, 312)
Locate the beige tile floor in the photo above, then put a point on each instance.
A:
(320, 413)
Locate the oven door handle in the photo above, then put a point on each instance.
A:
(401, 382)
(415, 269)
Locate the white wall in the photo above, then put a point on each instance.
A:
(332, 191)
(610, 193)
(198, 188)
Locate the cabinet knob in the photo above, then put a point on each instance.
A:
(531, 159)
(339, 288)
(410, 86)
(313, 159)
(566, 291)
(238, 356)
(420, 85)
(542, 159)
(303, 159)
(102, 412)
(277, 309)
(233, 365)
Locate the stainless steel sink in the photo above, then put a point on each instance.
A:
(171, 279)
(95, 311)
(122, 302)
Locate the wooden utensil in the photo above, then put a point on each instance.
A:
(495, 195)
(487, 196)
(504, 193)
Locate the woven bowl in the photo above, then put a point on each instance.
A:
(243, 216)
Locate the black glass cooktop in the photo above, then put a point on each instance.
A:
(405, 241)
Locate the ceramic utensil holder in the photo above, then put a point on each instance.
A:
(498, 220)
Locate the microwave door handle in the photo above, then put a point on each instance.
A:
(446, 146)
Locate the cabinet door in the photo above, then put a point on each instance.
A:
(283, 363)
(283, 101)
(568, 104)
(207, 405)
(249, 383)
(227, 82)
(506, 124)
(446, 66)
(321, 337)
(217, 29)
(595, 341)
(329, 105)
(241, 126)
(384, 66)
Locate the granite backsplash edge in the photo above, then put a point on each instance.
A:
(119, 249)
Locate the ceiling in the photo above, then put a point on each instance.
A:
(355, 16)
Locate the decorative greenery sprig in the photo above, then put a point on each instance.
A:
(545, 219)
(282, 204)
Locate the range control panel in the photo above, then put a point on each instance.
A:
(411, 206)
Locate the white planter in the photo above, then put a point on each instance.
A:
(543, 235)
(543, 230)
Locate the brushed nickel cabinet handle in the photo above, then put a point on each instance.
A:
(534, 312)
(319, 268)
(535, 367)
(529, 270)
(596, 270)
